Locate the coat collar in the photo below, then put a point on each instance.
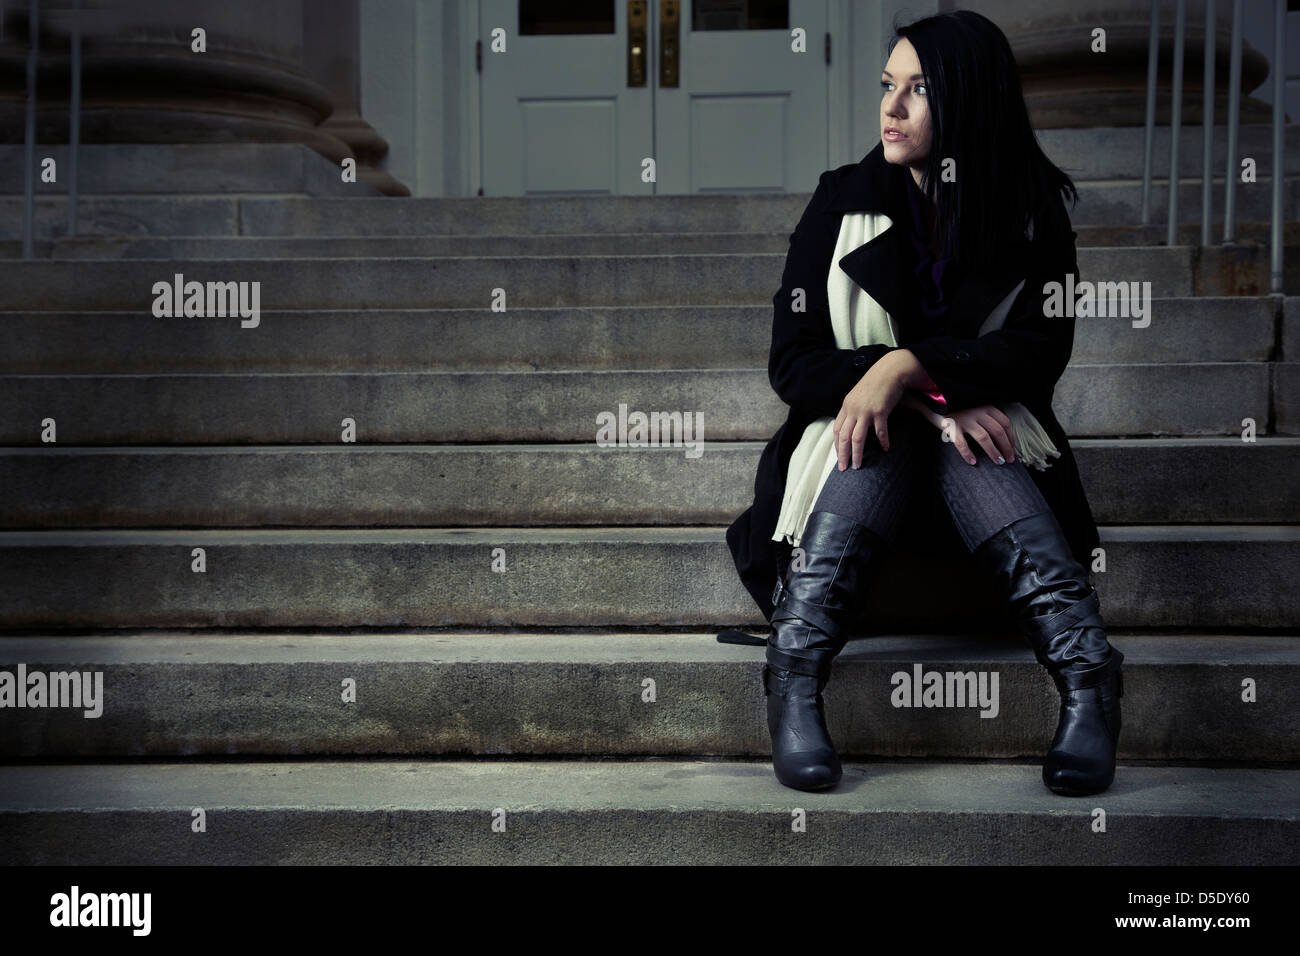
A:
(880, 266)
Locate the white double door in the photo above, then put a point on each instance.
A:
(724, 96)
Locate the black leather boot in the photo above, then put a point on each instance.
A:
(813, 609)
(1058, 611)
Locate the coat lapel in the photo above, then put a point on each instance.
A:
(882, 267)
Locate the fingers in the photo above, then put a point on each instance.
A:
(959, 442)
(1003, 434)
(851, 438)
(1008, 439)
(843, 448)
(985, 441)
(860, 432)
(1007, 445)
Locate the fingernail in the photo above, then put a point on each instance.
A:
(1001, 460)
(970, 461)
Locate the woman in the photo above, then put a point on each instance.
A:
(917, 338)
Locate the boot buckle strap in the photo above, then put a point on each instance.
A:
(778, 659)
(772, 678)
(778, 592)
(1108, 673)
(818, 617)
(1086, 612)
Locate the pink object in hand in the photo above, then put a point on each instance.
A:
(938, 397)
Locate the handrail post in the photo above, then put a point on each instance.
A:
(1234, 125)
(1279, 142)
(74, 118)
(1207, 124)
(29, 132)
(1153, 60)
(1175, 120)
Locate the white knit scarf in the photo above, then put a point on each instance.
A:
(857, 320)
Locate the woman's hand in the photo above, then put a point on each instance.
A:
(867, 406)
(987, 424)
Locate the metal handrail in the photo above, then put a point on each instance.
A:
(29, 132)
(1207, 122)
(1176, 120)
(1234, 123)
(74, 118)
(1153, 59)
(1279, 144)
(1231, 172)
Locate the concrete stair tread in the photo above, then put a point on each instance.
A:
(659, 784)
(62, 537)
(1209, 328)
(566, 692)
(592, 576)
(1142, 480)
(447, 245)
(637, 812)
(414, 282)
(209, 408)
(487, 648)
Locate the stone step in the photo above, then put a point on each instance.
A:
(619, 813)
(150, 169)
(468, 282)
(1116, 152)
(1193, 399)
(1128, 481)
(1099, 153)
(594, 243)
(1207, 329)
(1235, 577)
(1286, 396)
(360, 247)
(1114, 201)
(1246, 233)
(161, 695)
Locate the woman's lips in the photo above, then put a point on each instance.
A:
(892, 137)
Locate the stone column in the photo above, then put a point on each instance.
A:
(332, 35)
(143, 83)
(1067, 85)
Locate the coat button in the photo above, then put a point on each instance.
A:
(859, 360)
(964, 356)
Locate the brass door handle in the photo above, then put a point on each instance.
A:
(669, 24)
(637, 53)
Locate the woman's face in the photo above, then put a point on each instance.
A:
(905, 107)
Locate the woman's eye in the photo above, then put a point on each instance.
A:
(885, 85)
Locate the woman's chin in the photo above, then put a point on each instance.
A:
(895, 152)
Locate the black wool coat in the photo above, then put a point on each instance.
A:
(1021, 362)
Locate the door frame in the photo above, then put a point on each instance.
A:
(858, 31)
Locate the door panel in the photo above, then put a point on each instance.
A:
(726, 105)
(558, 115)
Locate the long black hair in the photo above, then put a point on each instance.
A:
(978, 117)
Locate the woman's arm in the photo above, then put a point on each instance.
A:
(1028, 354)
(912, 373)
